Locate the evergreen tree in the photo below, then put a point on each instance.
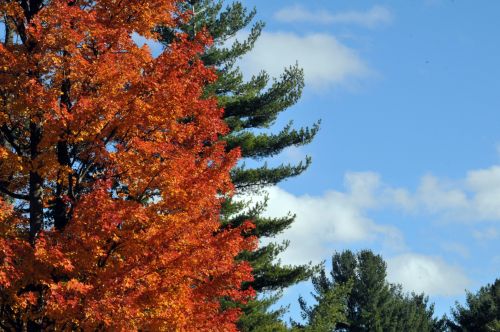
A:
(481, 312)
(357, 297)
(250, 105)
(330, 309)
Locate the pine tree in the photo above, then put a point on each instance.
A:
(481, 313)
(330, 309)
(357, 297)
(250, 105)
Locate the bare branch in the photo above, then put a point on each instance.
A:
(13, 194)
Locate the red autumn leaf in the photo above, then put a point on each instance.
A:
(111, 174)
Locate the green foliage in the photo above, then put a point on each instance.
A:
(254, 178)
(330, 309)
(481, 312)
(357, 297)
(258, 318)
(263, 145)
(252, 106)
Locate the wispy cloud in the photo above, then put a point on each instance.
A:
(474, 198)
(430, 275)
(371, 18)
(490, 233)
(456, 248)
(325, 60)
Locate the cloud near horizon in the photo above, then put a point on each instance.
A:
(343, 217)
(375, 16)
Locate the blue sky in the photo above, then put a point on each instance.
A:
(407, 162)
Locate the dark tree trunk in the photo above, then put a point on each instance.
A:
(9, 31)
(36, 186)
(33, 327)
(61, 216)
(60, 206)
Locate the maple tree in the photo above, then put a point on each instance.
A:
(112, 174)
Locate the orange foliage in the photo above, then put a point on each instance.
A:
(112, 174)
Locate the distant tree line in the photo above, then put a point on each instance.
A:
(356, 297)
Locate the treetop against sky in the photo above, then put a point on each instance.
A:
(407, 159)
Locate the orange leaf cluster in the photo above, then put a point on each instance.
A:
(121, 152)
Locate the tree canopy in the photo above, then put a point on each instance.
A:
(357, 297)
(112, 173)
(481, 311)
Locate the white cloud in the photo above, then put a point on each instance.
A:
(400, 197)
(474, 198)
(436, 195)
(342, 218)
(485, 185)
(426, 274)
(325, 60)
(333, 218)
(373, 17)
